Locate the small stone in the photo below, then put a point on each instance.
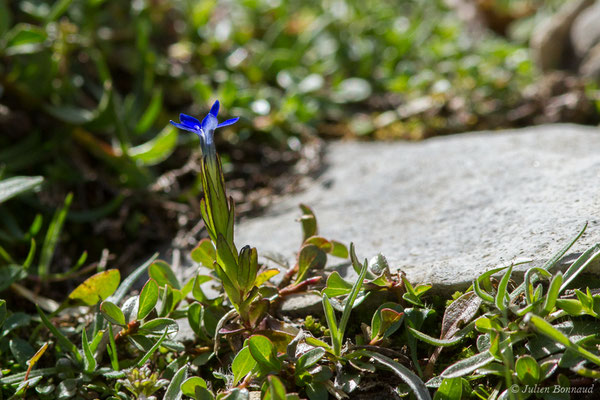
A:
(550, 42)
(585, 32)
(590, 66)
(302, 304)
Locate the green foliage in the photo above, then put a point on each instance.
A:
(302, 67)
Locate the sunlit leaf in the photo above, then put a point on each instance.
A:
(242, 364)
(310, 257)
(528, 371)
(162, 273)
(17, 185)
(204, 253)
(264, 352)
(156, 150)
(174, 390)
(96, 288)
(112, 313)
(147, 299)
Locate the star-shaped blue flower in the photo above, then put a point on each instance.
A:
(206, 128)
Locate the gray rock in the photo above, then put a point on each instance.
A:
(301, 305)
(447, 209)
(585, 32)
(550, 42)
(590, 66)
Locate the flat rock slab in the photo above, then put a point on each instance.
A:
(447, 209)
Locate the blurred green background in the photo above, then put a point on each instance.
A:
(87, 88)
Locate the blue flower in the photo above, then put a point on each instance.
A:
(204, 129)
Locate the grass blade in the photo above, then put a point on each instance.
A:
(52, 236)
(551, 262)
(62, 339)
(174, 391)
(580, 265)
(413, 381)
(130, 280)
(352, 296)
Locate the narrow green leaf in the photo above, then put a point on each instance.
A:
(546, 329)
(351, 297)
(588, 257)
(62, 339)
(158, 325)
(331, 323)
(502, 295)
(552, 294)
(24, 39)
(147, 299)
(310, 358)
(309, 222)
(551, 262)
(174, 391)
(248, 268)
(96, 341)
(58, 9)
(149, 116)
(572, 307)
(112, 349)
(112, 313)
(17, 185)
(147, 356)
(230, 289)
(467, 365)
(89, 364)
(157, 149)
(457, 338)
(52, 236)
(14, 379)
(30, 255)
(529, 292)
(481, 279)
(167, 301)
(130, 280)
(419, 389)
(3, 312)
(227, 260)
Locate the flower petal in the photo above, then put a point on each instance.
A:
(228, 122)
(188, 120)
(185, 127)
(214, 110)
(209, 123)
